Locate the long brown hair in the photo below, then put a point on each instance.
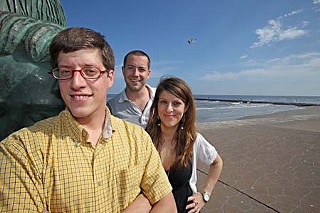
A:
(186, 132)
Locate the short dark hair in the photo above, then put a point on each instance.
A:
(137, 52)
(73, 39)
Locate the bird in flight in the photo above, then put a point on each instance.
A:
(191, 40)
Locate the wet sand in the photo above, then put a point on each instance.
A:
(271, 163)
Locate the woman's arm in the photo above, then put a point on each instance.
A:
(196, 199)
(214, 174)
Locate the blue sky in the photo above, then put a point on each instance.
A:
(247, 47)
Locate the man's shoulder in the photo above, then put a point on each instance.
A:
(114, 103)
(39, 132)
(152, 91)
(123, 126)
(151, 88)
(118, 104)
(47, 123)
(122, 123)
(115, 99)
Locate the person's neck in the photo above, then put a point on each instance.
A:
(139, 98)
(137, 95)
(94, 126)
(168, 134)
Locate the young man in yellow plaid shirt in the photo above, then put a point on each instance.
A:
(84, 159)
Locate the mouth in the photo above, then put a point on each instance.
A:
(81, 97)
(134, 80)
(170, 116)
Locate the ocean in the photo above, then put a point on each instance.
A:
(213, 108)
(237, 106)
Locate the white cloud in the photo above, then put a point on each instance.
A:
(307, 63)
(294, 66)
(218, 76)
(291, 34)
(293, 13)
(274, 32)
(316, 8)
(244, 56)
(305, 23)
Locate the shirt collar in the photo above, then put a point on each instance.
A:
(124, 97)
(107, 129)
(78, 132)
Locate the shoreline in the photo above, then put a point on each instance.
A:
(276, 117)
(271, 162)
(300, 104)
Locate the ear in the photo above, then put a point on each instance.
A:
(122, 69)
(149, 73)
(111, 78)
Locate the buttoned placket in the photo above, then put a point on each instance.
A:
(100, 169)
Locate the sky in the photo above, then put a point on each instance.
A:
(247, 47)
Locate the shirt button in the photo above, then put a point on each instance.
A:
(100, 183)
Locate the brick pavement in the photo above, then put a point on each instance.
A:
(271, 163)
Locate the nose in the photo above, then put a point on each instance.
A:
(135, 71)
(169, 107)
(77, 81)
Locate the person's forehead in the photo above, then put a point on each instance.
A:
(85, 56)
(137, 59)
(168, 95)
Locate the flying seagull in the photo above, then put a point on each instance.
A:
(191, 40)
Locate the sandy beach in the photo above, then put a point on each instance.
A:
(271, 163)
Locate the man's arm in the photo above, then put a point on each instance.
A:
(20, 186)
(140, 205)
(155, 184)
(165, 204)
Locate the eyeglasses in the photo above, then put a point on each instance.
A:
(86, 72)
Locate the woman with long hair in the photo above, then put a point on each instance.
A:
(172, 128)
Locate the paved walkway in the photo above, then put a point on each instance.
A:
(271, 164)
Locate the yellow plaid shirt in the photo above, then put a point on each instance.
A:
(52, 166)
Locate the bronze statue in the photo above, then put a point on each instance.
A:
(27, 92)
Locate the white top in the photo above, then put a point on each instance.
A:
(203, 151)
(121, 107)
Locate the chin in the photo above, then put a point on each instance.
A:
(171, 125)
(136, 86)
(79, 113)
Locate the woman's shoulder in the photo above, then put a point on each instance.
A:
(200, 138)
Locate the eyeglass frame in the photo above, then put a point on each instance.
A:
(51, 72)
